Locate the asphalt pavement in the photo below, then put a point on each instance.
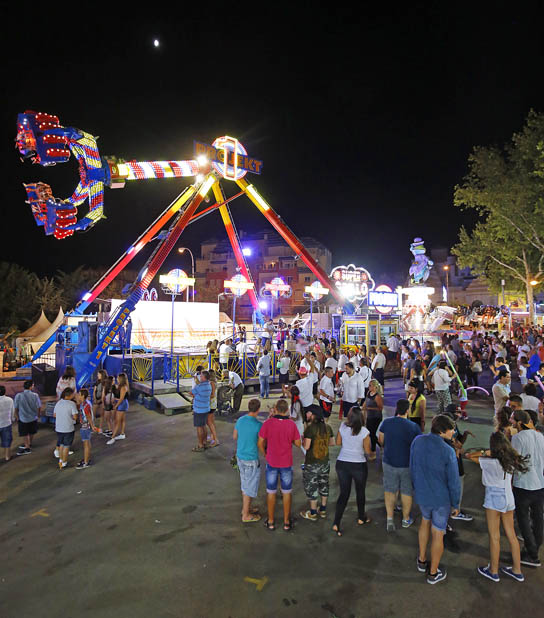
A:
(154, 530)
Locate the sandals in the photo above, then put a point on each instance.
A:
(198, 449)
(336, 529)
(252, 519)
(269, 525)
(288, 527)
(362, 522)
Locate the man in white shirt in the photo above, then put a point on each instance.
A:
(378, 367)
(326, 392)
(342, 360)
(353, 390)
(235, 382)
(312, 366)
(264, 368)
(331, 362)
(7, 418)
(224, 351)
(241, 349)
(393, 346)
(305, 387)
(365, 372)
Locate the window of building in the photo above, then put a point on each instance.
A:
(307, 279)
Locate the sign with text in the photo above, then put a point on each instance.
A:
(353, 282)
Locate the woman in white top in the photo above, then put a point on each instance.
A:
(499, 504)
(354, 438)
(68, 380)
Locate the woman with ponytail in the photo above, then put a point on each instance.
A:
(497, 470)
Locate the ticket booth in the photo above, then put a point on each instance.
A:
(370, 330)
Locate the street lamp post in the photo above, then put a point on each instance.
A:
(315, 291)
(447, 269)
(182, 250)
(238, 285)
(174, 283)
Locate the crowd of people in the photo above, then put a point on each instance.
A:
(416, 467)
(425, 467)
(108, 401)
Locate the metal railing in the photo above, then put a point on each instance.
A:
(182, 366)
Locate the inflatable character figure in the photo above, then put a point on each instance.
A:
(421, 265)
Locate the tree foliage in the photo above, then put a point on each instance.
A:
(505, 187)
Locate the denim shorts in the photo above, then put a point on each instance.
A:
(286, 479)
(437, 515)
(65, 439)
(6, 436)
(123, 406)
(496, 500)
(85, 434)
(250, 475)
(397, 479)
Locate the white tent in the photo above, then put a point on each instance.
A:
(36, 329)
(38, 341)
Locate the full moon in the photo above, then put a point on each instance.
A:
(156, 42)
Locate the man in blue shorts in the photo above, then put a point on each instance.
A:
(435, 476)
(276, 438)
(27, 409)
(202, 393)
(246, 433)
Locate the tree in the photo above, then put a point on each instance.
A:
(18, 305)
(505, 187)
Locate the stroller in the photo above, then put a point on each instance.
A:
(224, 399)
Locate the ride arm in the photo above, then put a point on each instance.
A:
(293, 241)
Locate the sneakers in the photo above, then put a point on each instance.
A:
(398, 508)
(322, 512)
(81, 465)
(111, 441)
(525, 559)
(406, 523)
(509, 571)
(422, 566)
(62, 464)
(494, 577)
(121, 436)
(462, 517)
(23, 451)
(437, 577)
(309, 515)
(391, 525)
(56, 453)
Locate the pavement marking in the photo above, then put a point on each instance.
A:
(259, 583)
(41, 513)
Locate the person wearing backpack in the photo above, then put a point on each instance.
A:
(317, 438)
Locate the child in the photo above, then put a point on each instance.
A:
(210, 422)
(65, 413)
(499, 504)
(86, 421)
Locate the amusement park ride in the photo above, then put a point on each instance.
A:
(43, 140)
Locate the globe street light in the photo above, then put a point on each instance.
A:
(182, 250)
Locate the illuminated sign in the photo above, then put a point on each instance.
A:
(383, 299)
(277, 287)
(316, 290)
(239, 285)
(176, 281)
(354, 283)
(230, 151)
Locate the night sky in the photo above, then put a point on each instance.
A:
(364, 118)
